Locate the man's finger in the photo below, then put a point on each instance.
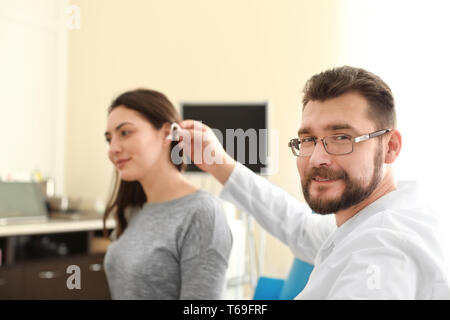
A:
(190, 135)
(192, 124)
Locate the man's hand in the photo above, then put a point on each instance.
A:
(205, 150)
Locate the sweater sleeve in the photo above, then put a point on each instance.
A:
(204, 254)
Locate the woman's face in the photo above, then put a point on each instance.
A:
(135, 146)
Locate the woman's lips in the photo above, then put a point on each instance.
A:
(121, 163)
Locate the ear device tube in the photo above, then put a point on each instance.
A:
(174, 134)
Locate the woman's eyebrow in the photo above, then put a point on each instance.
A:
(118, 127)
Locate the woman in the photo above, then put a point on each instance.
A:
(172, 241)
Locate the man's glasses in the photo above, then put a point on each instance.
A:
(338, 144)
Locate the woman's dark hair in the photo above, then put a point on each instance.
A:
(335, 82)
(157, 109)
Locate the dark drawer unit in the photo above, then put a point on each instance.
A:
(11, 279)
(47, 279)
(36, 267)
(93, 279)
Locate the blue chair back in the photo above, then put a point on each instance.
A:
(280, 289)
(268, 288)
(296, 280)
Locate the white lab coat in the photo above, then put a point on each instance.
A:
(388, 250)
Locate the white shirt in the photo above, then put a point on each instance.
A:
(388, 250)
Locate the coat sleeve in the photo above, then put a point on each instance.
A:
(278, 212)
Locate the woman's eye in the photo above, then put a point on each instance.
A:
(123, 133)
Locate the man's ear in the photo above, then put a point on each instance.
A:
(393, 147)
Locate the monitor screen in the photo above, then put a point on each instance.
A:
(243, 128)
(21, 200)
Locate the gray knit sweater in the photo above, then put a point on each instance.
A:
(173, 250)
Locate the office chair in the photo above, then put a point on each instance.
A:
(284, 289)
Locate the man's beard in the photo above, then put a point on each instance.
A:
(354, 191)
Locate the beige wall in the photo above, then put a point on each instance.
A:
(198, 50)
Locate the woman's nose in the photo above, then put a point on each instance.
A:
(114, 146)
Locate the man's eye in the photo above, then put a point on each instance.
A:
(306, 140)
(341, 138)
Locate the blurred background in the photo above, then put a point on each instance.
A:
(62, 62)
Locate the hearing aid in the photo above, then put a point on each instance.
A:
(174, 134)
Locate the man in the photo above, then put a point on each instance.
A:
(380, 243)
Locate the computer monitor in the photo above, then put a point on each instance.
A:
(21, 202)
(234, 116)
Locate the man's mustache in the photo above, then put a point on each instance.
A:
(325, 173)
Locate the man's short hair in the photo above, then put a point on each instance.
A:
(337, 81)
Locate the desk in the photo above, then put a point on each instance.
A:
(57, 223)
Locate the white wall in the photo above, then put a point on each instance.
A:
(32, 87)
(406, 43)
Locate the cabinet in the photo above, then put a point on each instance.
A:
(35, 264)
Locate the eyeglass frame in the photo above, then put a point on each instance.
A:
(358, 139)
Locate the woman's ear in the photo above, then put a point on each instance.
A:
(165, 129)
(393, 147)
(171, 131)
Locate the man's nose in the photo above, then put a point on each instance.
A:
(320, 157)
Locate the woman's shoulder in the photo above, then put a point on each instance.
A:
(203, 211)
(200, 206)
(207, 199)
(207, 225)
(207, 205)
